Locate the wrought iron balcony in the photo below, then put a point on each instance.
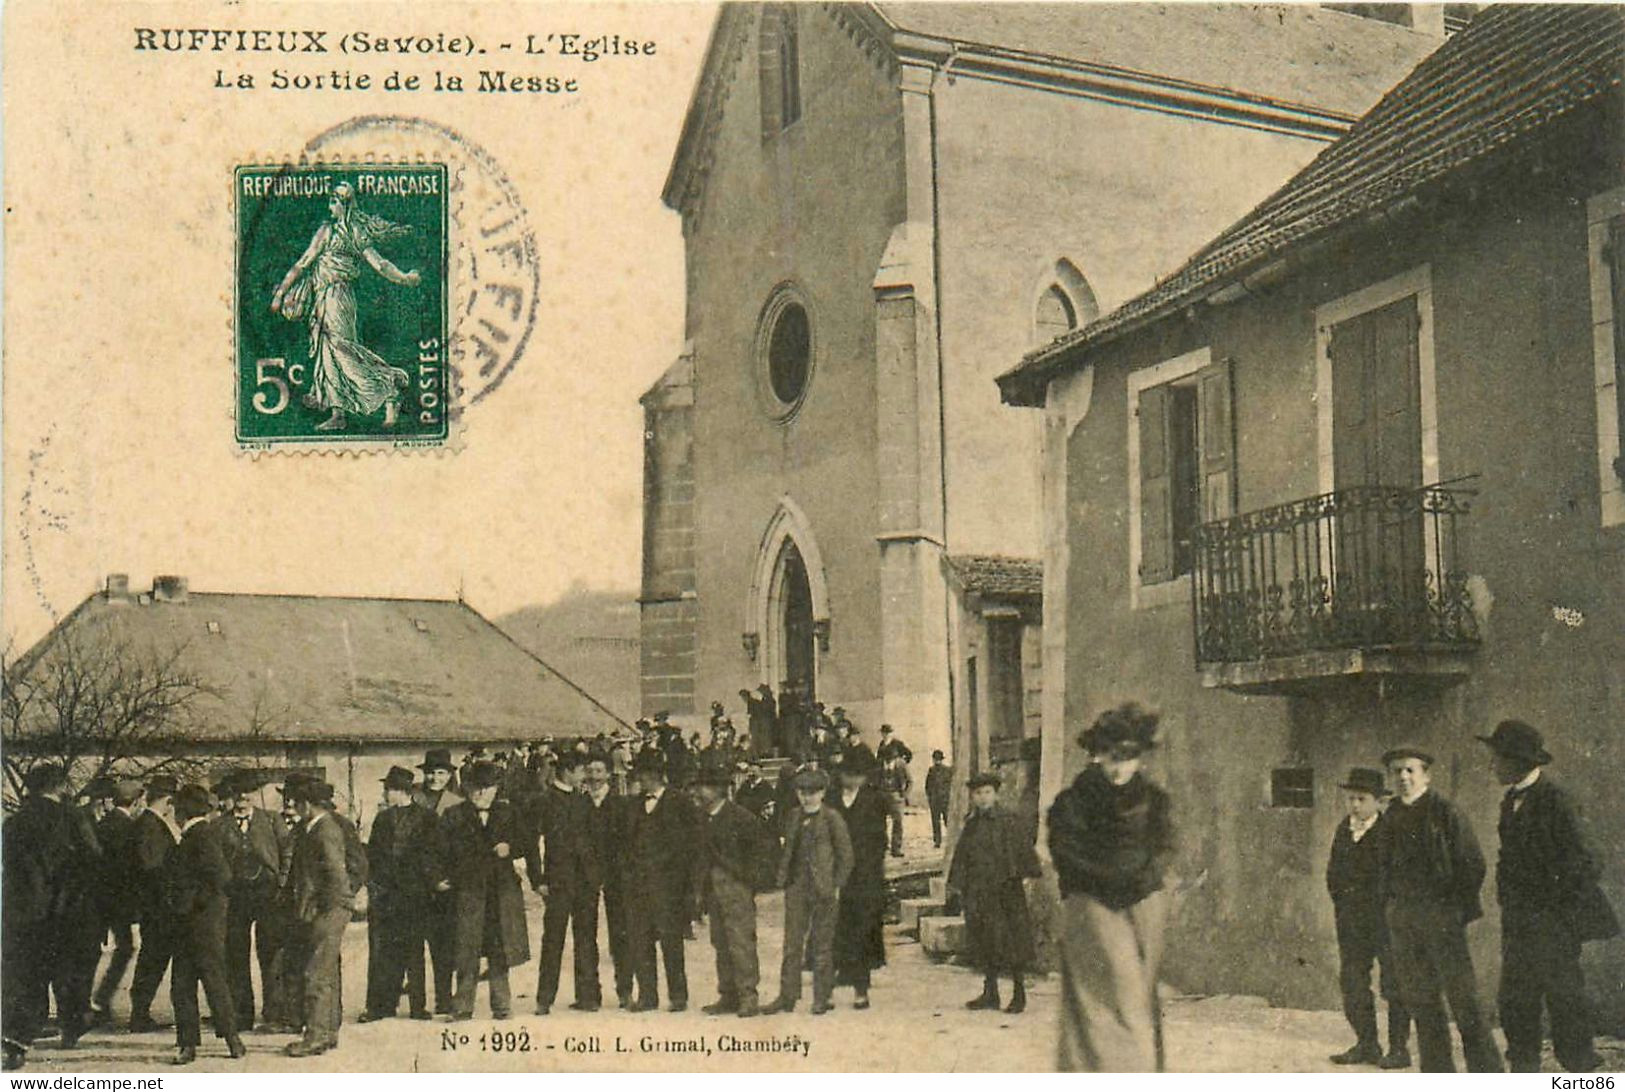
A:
(1367, 570)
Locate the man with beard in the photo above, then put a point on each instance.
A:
(439, 795)
(253, 839)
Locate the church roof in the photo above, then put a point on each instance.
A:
(1515, 68)
(317, 668)
(1325, 66)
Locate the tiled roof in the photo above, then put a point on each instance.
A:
(308, 668)
(1513, 69)
(993, 575)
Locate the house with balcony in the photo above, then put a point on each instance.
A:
(1351, 477)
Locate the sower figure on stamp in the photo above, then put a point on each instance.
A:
(992, 858)
(323, 901)
(407, 866)
(572, 876)
(484, 837)
(813, 866)
(1431, 872)
(119, 882)
(440, 796)
(860, 944)
(155, 838)
(346, 376)
(661, 831)
(1111, 840)
(733, 844)
(1547, 883)
(1352, 880)
(253, 840)
(198, 888)
(939, 787)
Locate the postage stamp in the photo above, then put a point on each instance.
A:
(342, 304)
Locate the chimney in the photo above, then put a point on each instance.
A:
(118, 588)
(169, 589)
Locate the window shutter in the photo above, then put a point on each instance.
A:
(1616, 274)
(1156, 511)
(1217, 441)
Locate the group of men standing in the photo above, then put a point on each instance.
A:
(1405, 882)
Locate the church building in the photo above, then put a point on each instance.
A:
(882, 205)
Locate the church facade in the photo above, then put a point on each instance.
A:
(882, 204)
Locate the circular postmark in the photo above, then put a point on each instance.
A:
(496, 282)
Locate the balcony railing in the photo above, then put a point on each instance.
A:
(1367, 568)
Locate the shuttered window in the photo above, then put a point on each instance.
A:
(1187, 467)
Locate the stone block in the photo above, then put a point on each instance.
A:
(939, 888)
(941, 937)
(910, 911)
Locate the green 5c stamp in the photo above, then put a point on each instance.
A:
(341, 312)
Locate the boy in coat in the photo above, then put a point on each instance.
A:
(1362, 936)
(1431, 871)
(1546, 882)
(991, 859)
(732, 843)
(859, 927)
(814, 864)
(198, 890)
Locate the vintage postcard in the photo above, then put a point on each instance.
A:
(577, 538)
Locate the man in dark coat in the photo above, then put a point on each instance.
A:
(762, 718)
(119, 881)
(484, 837)
(939, 788)
(606, 820)
(253, 840)
(87, 929)
(1547, 883)
(813, 866)
(733, 844)
(895, 756)
(1430, 872)
(662, 829)
(755, 793)
(155, 838)
(859, 926)
(993, 856)
(439, 795)
(198, 884)
(50, 858)
(406, 867)
(572, 876)
(323, 902)
(1362, 935)
(284, 1007)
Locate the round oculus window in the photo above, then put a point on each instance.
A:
(789, 353)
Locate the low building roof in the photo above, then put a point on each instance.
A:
(994, 575)
(1515, 68)
(318, 668)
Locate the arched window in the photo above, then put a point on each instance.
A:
(1055, 314)
(779, 61)
(1065, 302)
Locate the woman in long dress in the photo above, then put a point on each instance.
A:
(1110, 840)
(346, 376)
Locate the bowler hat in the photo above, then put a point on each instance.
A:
(937, 754)
(192, 801)
(1399, 754)
(885, 729)
(316, 792)
(1515, 739)
(231, 783)
(438, 758)
(482, 775)
(986, 778)
(649, 760)
(857, 760)
(1365, 779)
(399, 777)
(44, 777)
(811, 781)
(1124, 732)
(163, 785)
(99, 788)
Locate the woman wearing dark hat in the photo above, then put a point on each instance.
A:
(992, 857)
(860, 944)
(1110, 839)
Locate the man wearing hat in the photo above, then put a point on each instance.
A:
(939, 782)
(1352, 879)
(253, 840)
(283, 1005)
(1431, 870)
(323, 901)
(661, 874)
(992, 859)
(406, 867)
(484, 837)
(86, 927)
(156, 835)
(118, 880)
(197, 883)
(439, 795)
(1546, 881)
(894, 757)
(813, 866)
(860, 944)
(572, 876)
(733, 844)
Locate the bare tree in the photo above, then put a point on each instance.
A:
(99, 704)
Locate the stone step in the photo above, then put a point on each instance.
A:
(942, 936)
(910, 911)
(939, 888)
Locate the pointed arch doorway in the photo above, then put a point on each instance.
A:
(787, 618)
(798, 660)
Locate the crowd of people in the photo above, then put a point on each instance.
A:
(650, 830)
